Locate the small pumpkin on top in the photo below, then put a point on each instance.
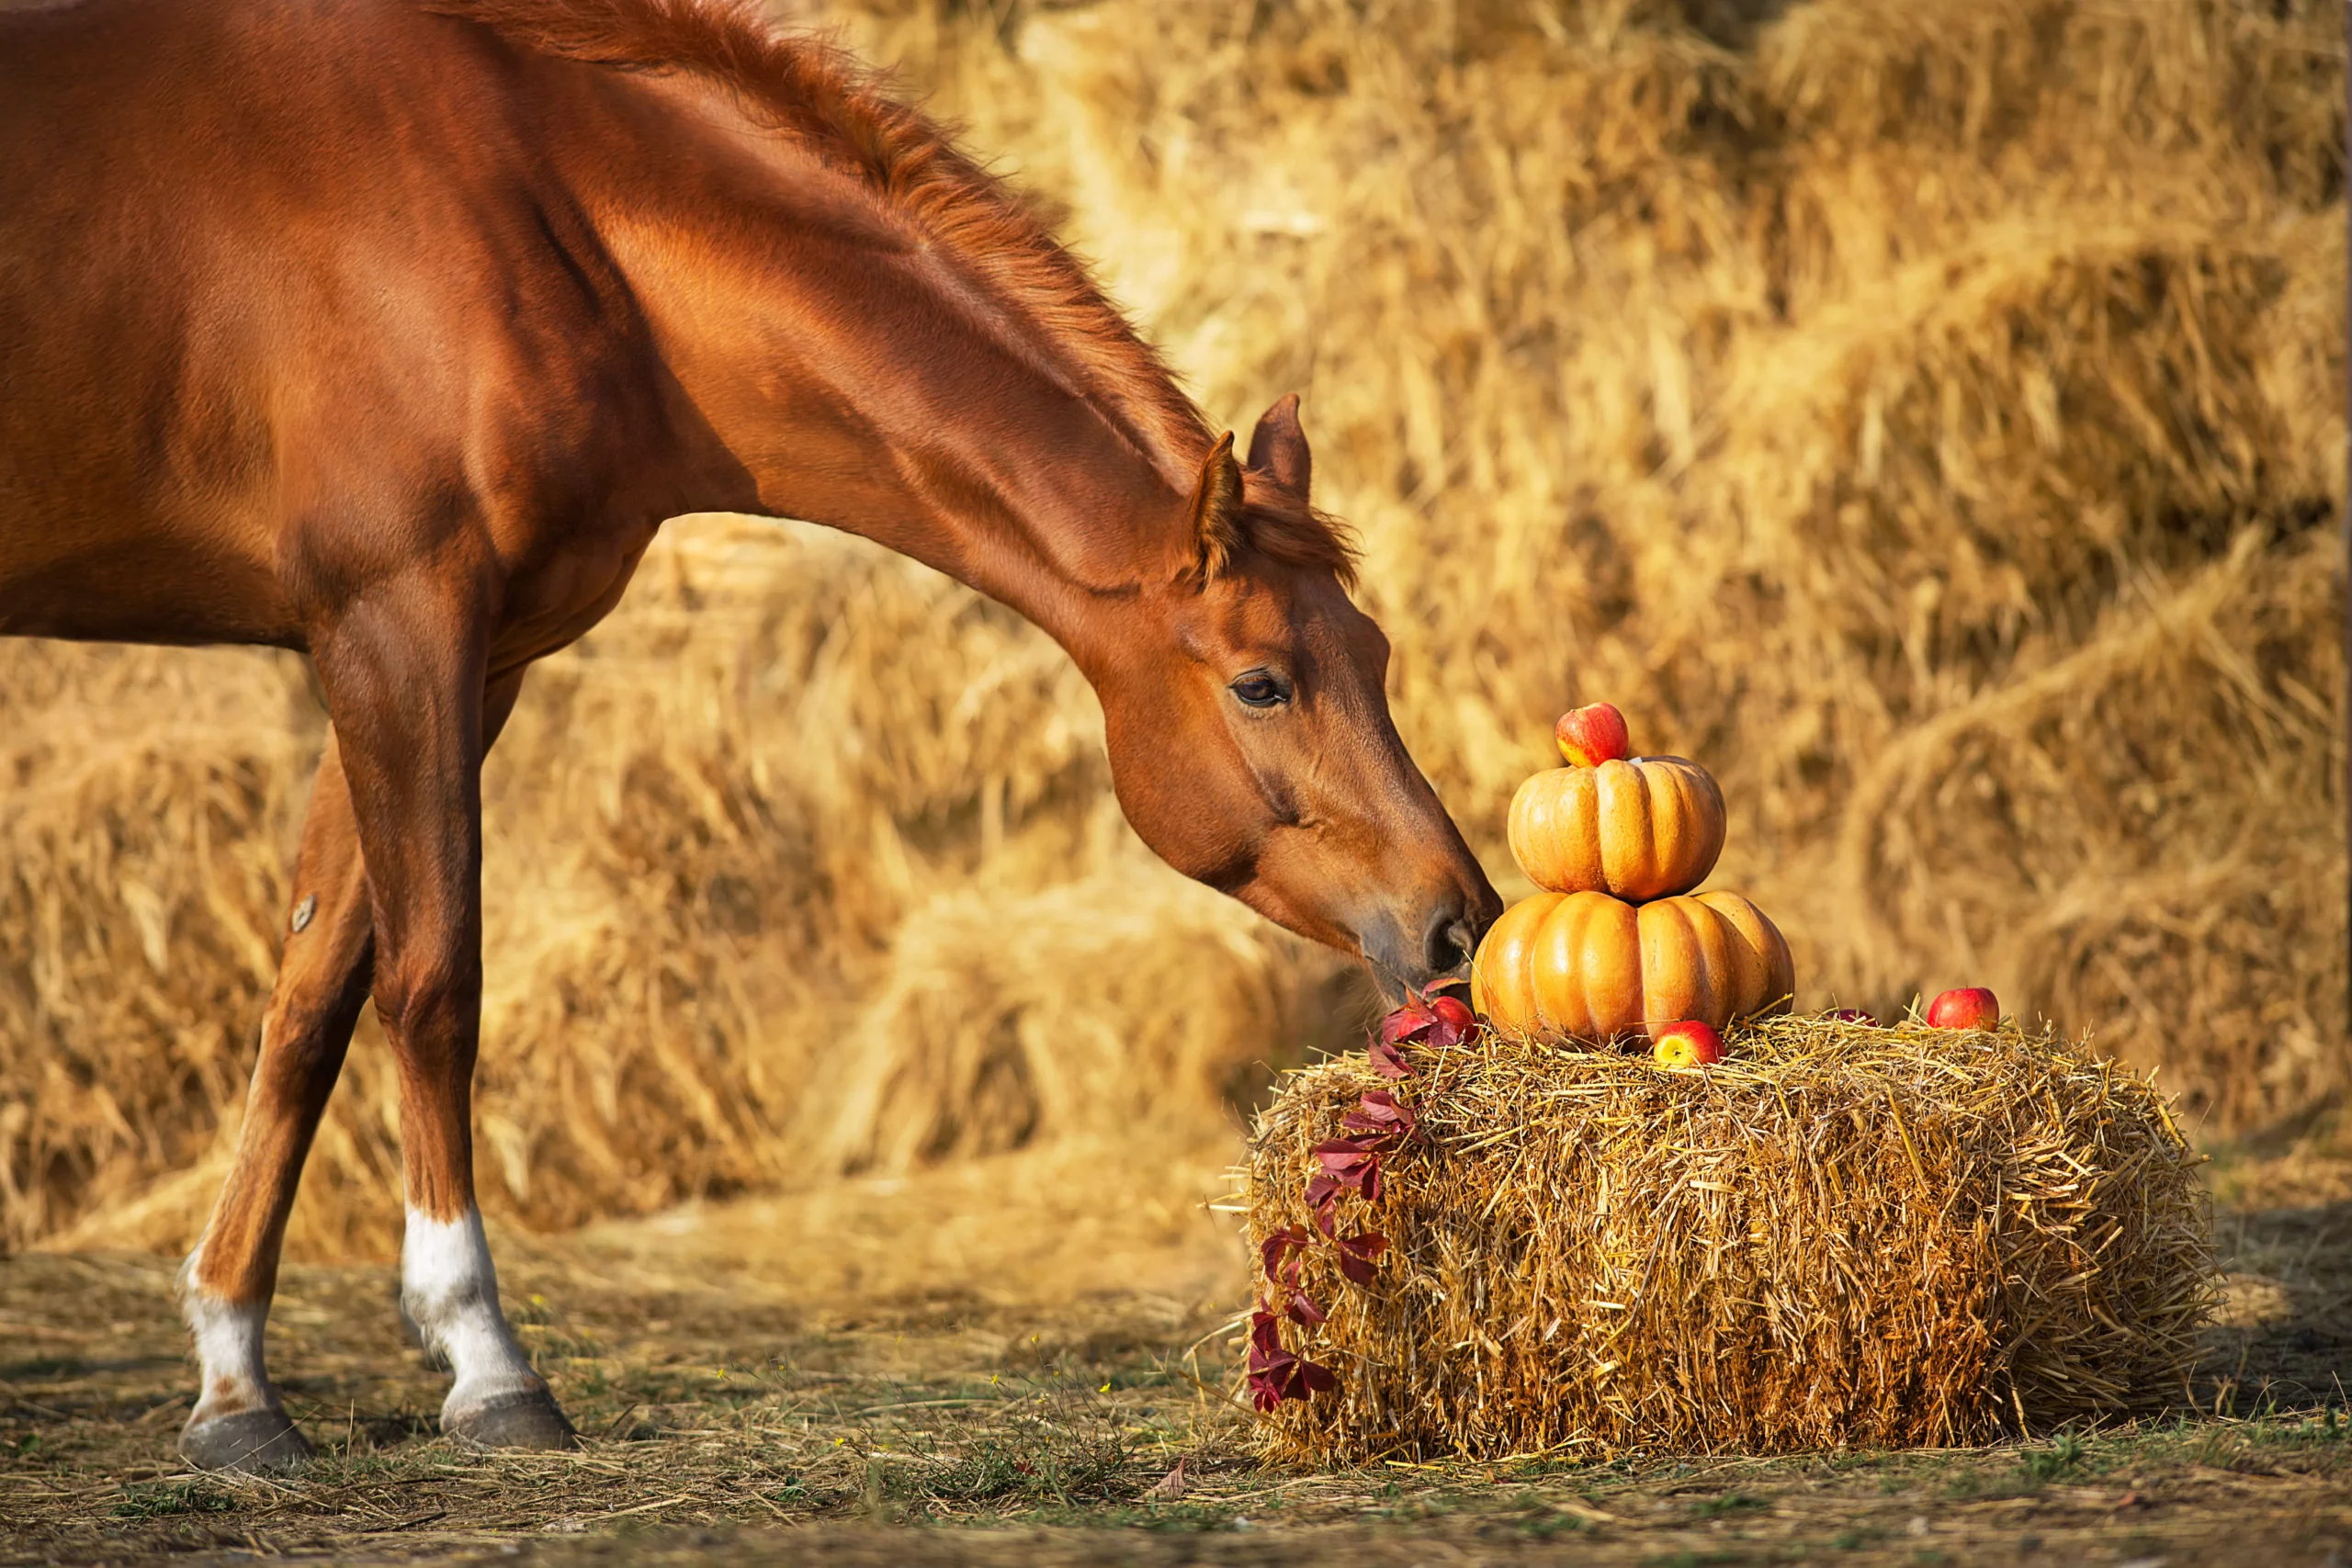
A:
(1636, 828)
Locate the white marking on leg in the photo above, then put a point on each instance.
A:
(228, 1347)
(449, 1289)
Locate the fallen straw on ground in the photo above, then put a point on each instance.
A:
(1846, 1235)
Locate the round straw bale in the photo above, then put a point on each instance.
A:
(1844, 1234)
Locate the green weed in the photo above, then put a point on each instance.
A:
(2063, 1454)
(1729, 1504)
(154, 1499)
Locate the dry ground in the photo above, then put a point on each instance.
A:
(751, 1396)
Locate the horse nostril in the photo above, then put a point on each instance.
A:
(1450, 943)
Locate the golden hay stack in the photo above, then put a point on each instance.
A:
(1881, 1237)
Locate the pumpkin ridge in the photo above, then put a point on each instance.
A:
(1641, 830)
(1593, 967)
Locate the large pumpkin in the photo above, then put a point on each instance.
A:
(1593, 967)
(1639, 830)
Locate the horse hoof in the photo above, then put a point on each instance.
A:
(517, 1421)
(259, 1442)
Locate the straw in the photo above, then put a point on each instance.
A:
(1844, 1234)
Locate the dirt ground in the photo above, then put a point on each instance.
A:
(954, 1372)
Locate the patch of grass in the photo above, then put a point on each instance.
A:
(2329, 1429)
(1728, 1505)
(2067, 1455)
(155, 1499)
(1429, 1505)
(2062, 1457)
(989, 1469)
(1545, 1526)
(1162, 1518)
(1060, 1447)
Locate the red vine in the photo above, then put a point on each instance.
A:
(1379, 1125)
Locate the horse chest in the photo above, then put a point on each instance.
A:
(562, 595)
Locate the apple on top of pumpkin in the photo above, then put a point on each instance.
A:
(1592, 735)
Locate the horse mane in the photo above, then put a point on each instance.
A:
(807, 87)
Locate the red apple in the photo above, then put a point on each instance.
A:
(1689, 1044)
(1591, 736)
(1972, 1008)
(1851, 1015)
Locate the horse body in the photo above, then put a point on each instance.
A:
(291, 302)
(391, 332)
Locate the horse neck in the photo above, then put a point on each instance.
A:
(867, 381)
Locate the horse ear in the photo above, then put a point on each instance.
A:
(1278, 446)
(1217, 508)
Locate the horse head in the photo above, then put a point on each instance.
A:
(1249, 736)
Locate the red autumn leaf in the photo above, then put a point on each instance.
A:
(1455, 1025)
(1354, 1163)
(1277, 1365)
(1388, 1061)
(1359, 1255)
(1343, 1155)
(1431, 1018)
(1323, 1196)
(1265, 1339)
(1273, 1372)
(1294, 1378)
(1279, 1252)
(1389, 1124)
(1406, 1021)
(1350, 1164)
(1276, 1374)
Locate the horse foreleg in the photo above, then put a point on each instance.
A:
(238, 1422)
(409, 701)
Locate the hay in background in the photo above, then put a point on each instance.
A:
(1836, 387)
(1843, 1236)
(146, 798)
(1077, 1011)
(1929, 417)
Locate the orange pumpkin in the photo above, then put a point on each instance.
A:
(1639, 830)
(1593, 967)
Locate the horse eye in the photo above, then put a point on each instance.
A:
(1262, 689)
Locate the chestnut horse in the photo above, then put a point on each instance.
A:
(390, 330)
